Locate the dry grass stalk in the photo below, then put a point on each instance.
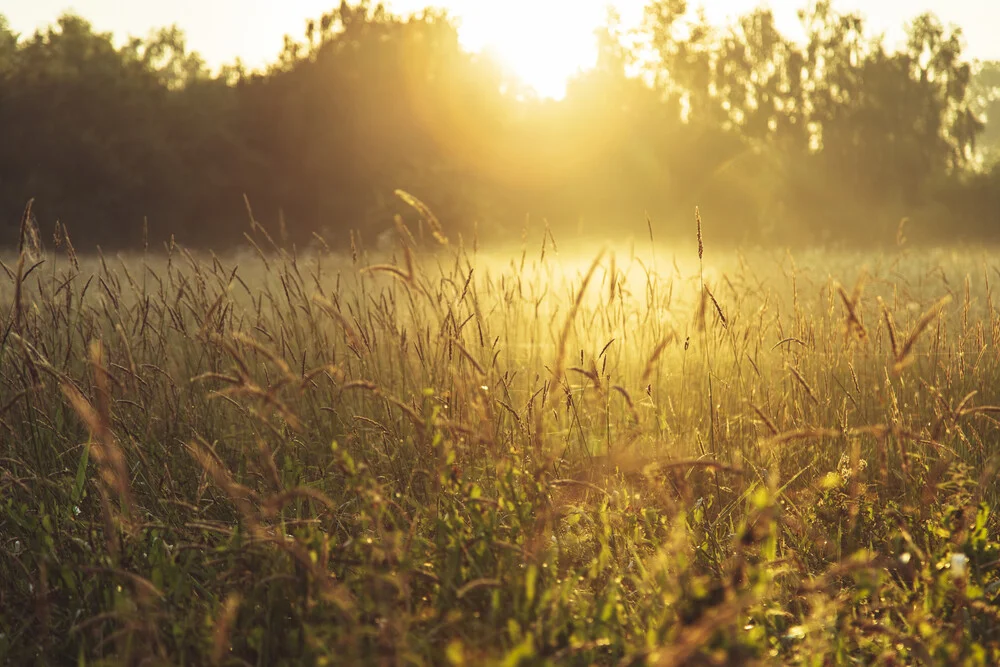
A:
(612, 280)
(628, 401)
(352, 336)
(701, 242)
(363, 385)
(718, 308)
(273, 504)
(240, 495)
(18, 283)
(802, 434)
(981, 409)
(406, 241)
(784, 341)
(221, 644)
(389, 268)
(468, 357)
(647, 372)
(764, 418)
(558, 367)
(851, 303)
(260, 253)
(29, 241)
(70, 250)
(103, 445)
(891, 328)
(25, 221)
(904, 357)
(425, 212)
(802, 381)
(706, 464)
(250, 342)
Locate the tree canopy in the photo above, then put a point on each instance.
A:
(836, 138)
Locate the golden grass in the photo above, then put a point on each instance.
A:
(445, 455)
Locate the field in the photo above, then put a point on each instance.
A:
(641, 455)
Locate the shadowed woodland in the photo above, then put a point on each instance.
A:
(834, 140)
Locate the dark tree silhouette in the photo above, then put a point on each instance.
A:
(835, 138)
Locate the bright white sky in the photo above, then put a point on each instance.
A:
(544, 41)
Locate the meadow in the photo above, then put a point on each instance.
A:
(646, 454)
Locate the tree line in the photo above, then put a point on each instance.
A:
(835, 139)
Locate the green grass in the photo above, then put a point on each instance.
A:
(521, 457)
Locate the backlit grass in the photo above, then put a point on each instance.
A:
(539, 455)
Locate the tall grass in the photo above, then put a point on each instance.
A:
(446, 457)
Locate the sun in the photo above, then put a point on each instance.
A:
(543, 43)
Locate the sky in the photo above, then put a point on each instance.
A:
(545, 51)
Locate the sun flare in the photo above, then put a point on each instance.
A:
(544, 44)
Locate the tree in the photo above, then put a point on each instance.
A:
(829, 138)
(985, 98)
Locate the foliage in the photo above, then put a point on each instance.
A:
(837, 138)
(986, 96)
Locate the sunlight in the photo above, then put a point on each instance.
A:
(543, 44)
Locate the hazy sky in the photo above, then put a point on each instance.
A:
(253, 29)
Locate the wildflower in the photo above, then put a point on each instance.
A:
(959, 563)
(846, 470)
